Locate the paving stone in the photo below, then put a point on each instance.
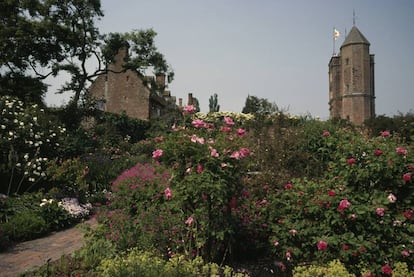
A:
(30, 254)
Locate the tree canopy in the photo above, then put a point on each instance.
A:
(39, 38)
(258, 105)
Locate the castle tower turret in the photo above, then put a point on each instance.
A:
(351, 80)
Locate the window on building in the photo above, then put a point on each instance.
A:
(347, 61)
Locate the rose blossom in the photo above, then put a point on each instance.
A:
(386, 269)
(198, 123)
(385, 134)
(228, 121)
(380, 211)
(408, 214)
(331, 193)
(157, 153)
(241, 132)
(288, 186)
(392, 198)
(189, 220)
(189, 109)
(326, 133)
(322, 245)
(401, 151)
(405, 253)
(407, 177)
(199, 169)
(168, 193)
(351, 161)
(377, 152)
(344, 204)
(214, 153)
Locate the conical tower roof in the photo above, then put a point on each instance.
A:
(355, 37)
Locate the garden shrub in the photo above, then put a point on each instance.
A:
(25, 226)
(28, 140)
(334, 269)
(360, 212)
(146, 264)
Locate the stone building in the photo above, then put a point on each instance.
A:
(141, 97)
(351, 80)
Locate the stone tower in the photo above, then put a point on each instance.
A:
(351, 80)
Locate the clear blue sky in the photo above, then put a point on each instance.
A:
(273, 49)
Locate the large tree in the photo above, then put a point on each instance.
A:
(258, 105)
(37, 36)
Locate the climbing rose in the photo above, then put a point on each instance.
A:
(157, 153)
(244, 152)
(380, 211)
(351, 161)
(344, 204)
(386, 269)
(326, 133)
(405, 253)
(407, 177)
(331, 193)
(322, 245)
(199, 169)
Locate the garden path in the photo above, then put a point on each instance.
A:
(30, 254)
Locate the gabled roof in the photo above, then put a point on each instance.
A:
(355, 37)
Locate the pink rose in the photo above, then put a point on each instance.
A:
(331, 193)
(168, 193)
(380, 211)
(228, 121)
(241, 132)
(198, 123)
(407, 177)
(322, 245)
(326, 133)
(405, 253)
(401, 151)
(189, 109)
(377, 152)
(344, 204)
(386, 269)
(189, 220)
(288, 186)
(225, 129)
(214, 153)
(157, 153)
(385, 134)
(351, 161)
(199, 169)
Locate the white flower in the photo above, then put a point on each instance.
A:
(3, 127)
(392, 198)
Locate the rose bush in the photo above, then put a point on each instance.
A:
(359, 212)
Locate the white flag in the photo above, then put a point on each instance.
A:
(336, 34)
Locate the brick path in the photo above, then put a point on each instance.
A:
(27, 255)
